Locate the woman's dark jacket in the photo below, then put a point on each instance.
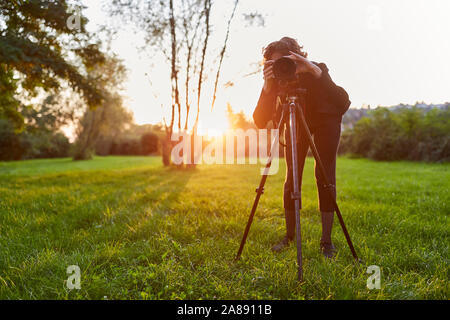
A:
(325, 101)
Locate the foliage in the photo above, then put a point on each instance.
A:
(44, 145)
(238, 120)
(149, 143)
(135, 140)
(40, 54)
(10, 146)
(40, 136)
(138, 230)
(111, 117)
(352, 116)
(50, 115)
(408, 133)
(35, 43)
(31, 144)
(9, 106)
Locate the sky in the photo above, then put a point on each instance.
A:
(382, 52)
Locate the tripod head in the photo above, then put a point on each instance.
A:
(292, 93)
(288, 95)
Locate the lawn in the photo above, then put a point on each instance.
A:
(138, 230)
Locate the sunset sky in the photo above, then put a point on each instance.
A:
(381, 52)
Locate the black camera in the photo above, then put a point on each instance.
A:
(284, 70)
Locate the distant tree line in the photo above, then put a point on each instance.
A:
(136, 140)
(401, 133)
(37, 142)
(404, 132)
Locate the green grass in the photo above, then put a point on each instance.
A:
(139, 230)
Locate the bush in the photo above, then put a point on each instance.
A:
(29, 144)
(145, 144)
(126, 147)
(407, 133)
(44, 145)
(10, 146)
(149, 143)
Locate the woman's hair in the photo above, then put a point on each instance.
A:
(283, 46)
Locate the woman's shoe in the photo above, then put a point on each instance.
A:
(282, 244)
(328, 249)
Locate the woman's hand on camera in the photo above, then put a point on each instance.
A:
(268, 75)
(304, 65)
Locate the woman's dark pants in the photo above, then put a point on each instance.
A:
(326, 138)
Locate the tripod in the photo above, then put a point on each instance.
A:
(293, 106)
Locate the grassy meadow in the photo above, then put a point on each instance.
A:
(138, 230)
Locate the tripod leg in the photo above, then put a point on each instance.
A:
(295, 182)
(324, 175)
(259, 191)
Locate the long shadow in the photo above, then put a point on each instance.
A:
(127, 195)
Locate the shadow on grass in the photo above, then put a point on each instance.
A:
(106, 208)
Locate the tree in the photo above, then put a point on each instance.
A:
(181, 32)
(9, 105)
(35, 45)
(238, 120)
(51, 114)
(39, 136)
(110, 118)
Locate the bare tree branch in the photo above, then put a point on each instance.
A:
(202, 64)
(222, 53)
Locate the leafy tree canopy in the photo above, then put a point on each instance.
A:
(39, 50)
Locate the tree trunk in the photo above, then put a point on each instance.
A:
(166, 150)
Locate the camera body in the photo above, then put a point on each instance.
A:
(284, 71)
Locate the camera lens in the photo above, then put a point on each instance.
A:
(284, 69)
